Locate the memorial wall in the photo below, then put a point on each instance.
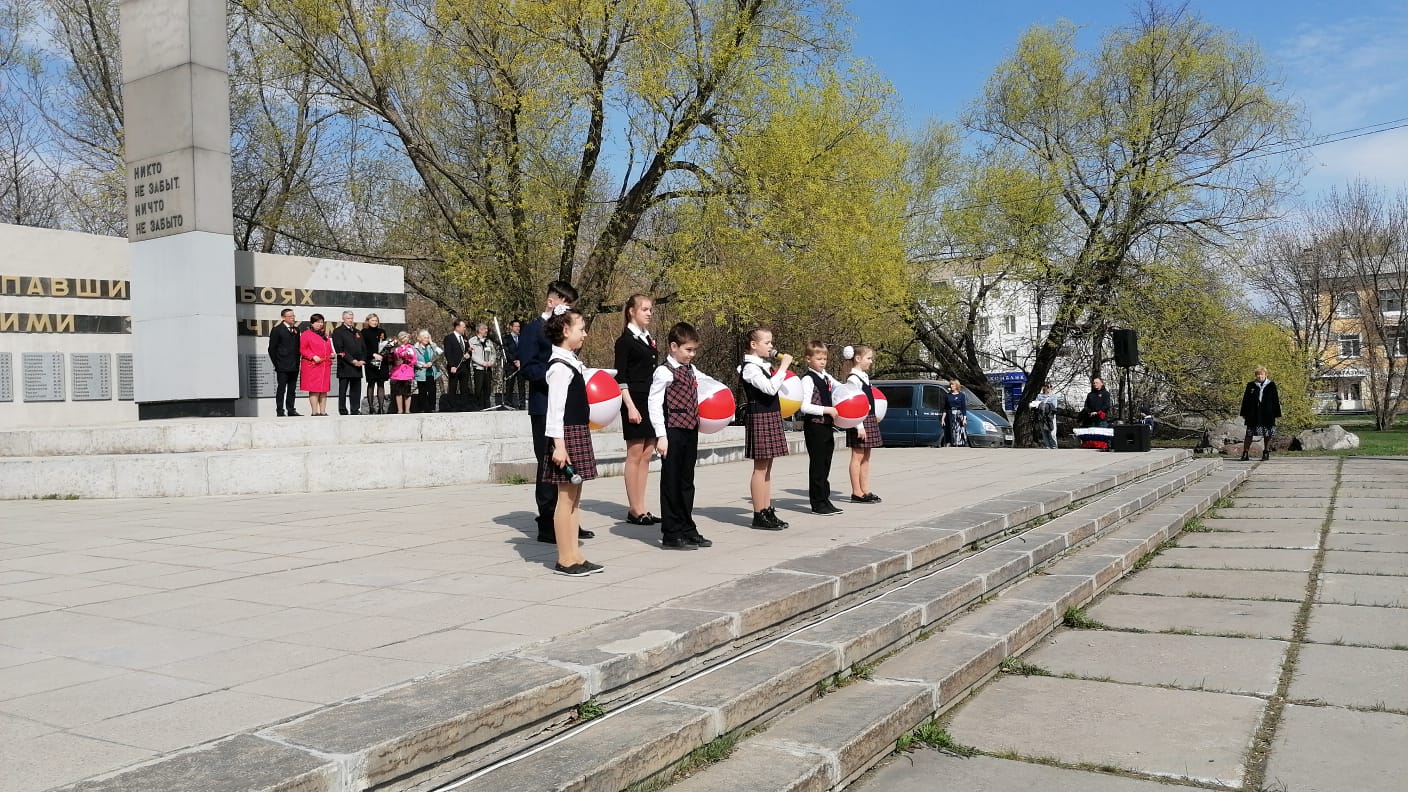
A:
(66, 322)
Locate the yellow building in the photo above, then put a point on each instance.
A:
(1363, 350)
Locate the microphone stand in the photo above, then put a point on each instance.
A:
(502, 376)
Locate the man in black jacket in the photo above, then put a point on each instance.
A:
(534, 350)
(283, 353)
(515, 386)
(456, 359)
(351, 354)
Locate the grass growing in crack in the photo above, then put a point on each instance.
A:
(862, 670)
(514, 479)
(1077, 619)
(1020, 667)
(712, 752)
(58, 496)
(1149, 557)
(589, 710)
(1196, 526)
(932, 735)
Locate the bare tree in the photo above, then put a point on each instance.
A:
(1289, 270)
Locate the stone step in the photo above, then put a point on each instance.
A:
(305, 468)
(433, 731)
(713, 450)
(826, 744)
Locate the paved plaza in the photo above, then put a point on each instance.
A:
(130, 629)
(1266, 652)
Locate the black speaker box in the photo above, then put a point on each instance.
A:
(1126, 348)
(1130, 437)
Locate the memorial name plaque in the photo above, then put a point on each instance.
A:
(7, 377)
(125, 391)
(92, 376)
(259, 381)
(43, 376)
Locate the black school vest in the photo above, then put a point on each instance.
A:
(758, 401)
(576, 412)
(821, 396)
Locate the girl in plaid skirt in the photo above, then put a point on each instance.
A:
(567, 428)
(763, 433)
(856, 371)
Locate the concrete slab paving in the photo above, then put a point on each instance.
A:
(1361, 563)
(1291, 540)
(1346, 525)
(1235, 558)
(1352, 676)
(1191, 662)
(1258, 501)
(1282, 513)
(917, 771)
(1197, 615)
(1358, 625)
(1231, 583)
(1326, 749)
(1225, 523)
(304, 598)
(1380, 543)
(1174, 733)
(1363, 590)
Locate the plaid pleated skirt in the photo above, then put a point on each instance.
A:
(764, 438)
(872, 434)
(578, 438)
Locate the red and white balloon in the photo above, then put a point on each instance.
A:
(716, 405)
(882, 404)
(603, 397)
(851, 406)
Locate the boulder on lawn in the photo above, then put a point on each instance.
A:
(1329, 438)
(1232, 430)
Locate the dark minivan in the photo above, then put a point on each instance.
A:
(915, 412)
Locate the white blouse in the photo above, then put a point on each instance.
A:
(761, 375)
(808, 386)
(559, 379)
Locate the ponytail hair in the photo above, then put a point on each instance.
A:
(633, 302)
(848, 357)
(556, 325)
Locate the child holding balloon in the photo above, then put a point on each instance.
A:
(818, 428)
(763, 433)
(674, 413)
(572, 460)
(861, 439)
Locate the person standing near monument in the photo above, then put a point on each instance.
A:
(483, 356)
(456, 351)
(1261, 406)
(636, 357)
(514, 385)
(284, 354)
(427, 376)
(351, 354)
(379, 369)
(534, 351)
(316, 353)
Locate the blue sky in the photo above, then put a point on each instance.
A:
(1346, 62)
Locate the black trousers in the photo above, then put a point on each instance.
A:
(546, 492)
(426, 392)
(349, 387)
(286, 392)
(517, 385)
(677, 483)
(460, 381)
(483, 386)
(821, 445)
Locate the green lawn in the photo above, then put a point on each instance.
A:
(1393, 442)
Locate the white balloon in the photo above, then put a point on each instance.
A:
(842, 393)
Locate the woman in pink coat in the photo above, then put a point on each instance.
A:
(403, 358)
(315, 373)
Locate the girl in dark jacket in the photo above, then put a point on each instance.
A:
(1261, 406)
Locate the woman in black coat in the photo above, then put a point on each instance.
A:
(1261, 406)
(1098, 405)
(635, 366)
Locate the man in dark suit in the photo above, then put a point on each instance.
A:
(351, 353)
(534, 351)
(515, 386)
(283, 353)
(456, 359)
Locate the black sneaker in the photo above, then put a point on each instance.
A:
(697, 540)
(583, 533)
(869, 497)
(576, 570)
(826, 510)
(592, 568)
(763, 522)
(675, 543)
(772, 515)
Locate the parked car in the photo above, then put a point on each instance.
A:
(915, 416)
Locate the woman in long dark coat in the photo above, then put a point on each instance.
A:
(1098, 405)
(1261, 406)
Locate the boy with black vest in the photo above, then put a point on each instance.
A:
(674, 412)
(818, 428)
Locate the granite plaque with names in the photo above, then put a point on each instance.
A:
(92, 376)
(259, 380)
(43, 376)
(7, 377)
(125, 390)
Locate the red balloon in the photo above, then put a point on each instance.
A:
(717, 405)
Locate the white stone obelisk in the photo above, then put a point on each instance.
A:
(176, 133)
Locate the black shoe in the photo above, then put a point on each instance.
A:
(772, 515)
(547, 538)
(341, 412)
(763, 522)
(583, 533)
(642, 519)
(279, 414)
(868, 497)
(697, 540)
(826, 510)
(593, 568)
(1244, 458)
(675, 543)
(576, 570)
